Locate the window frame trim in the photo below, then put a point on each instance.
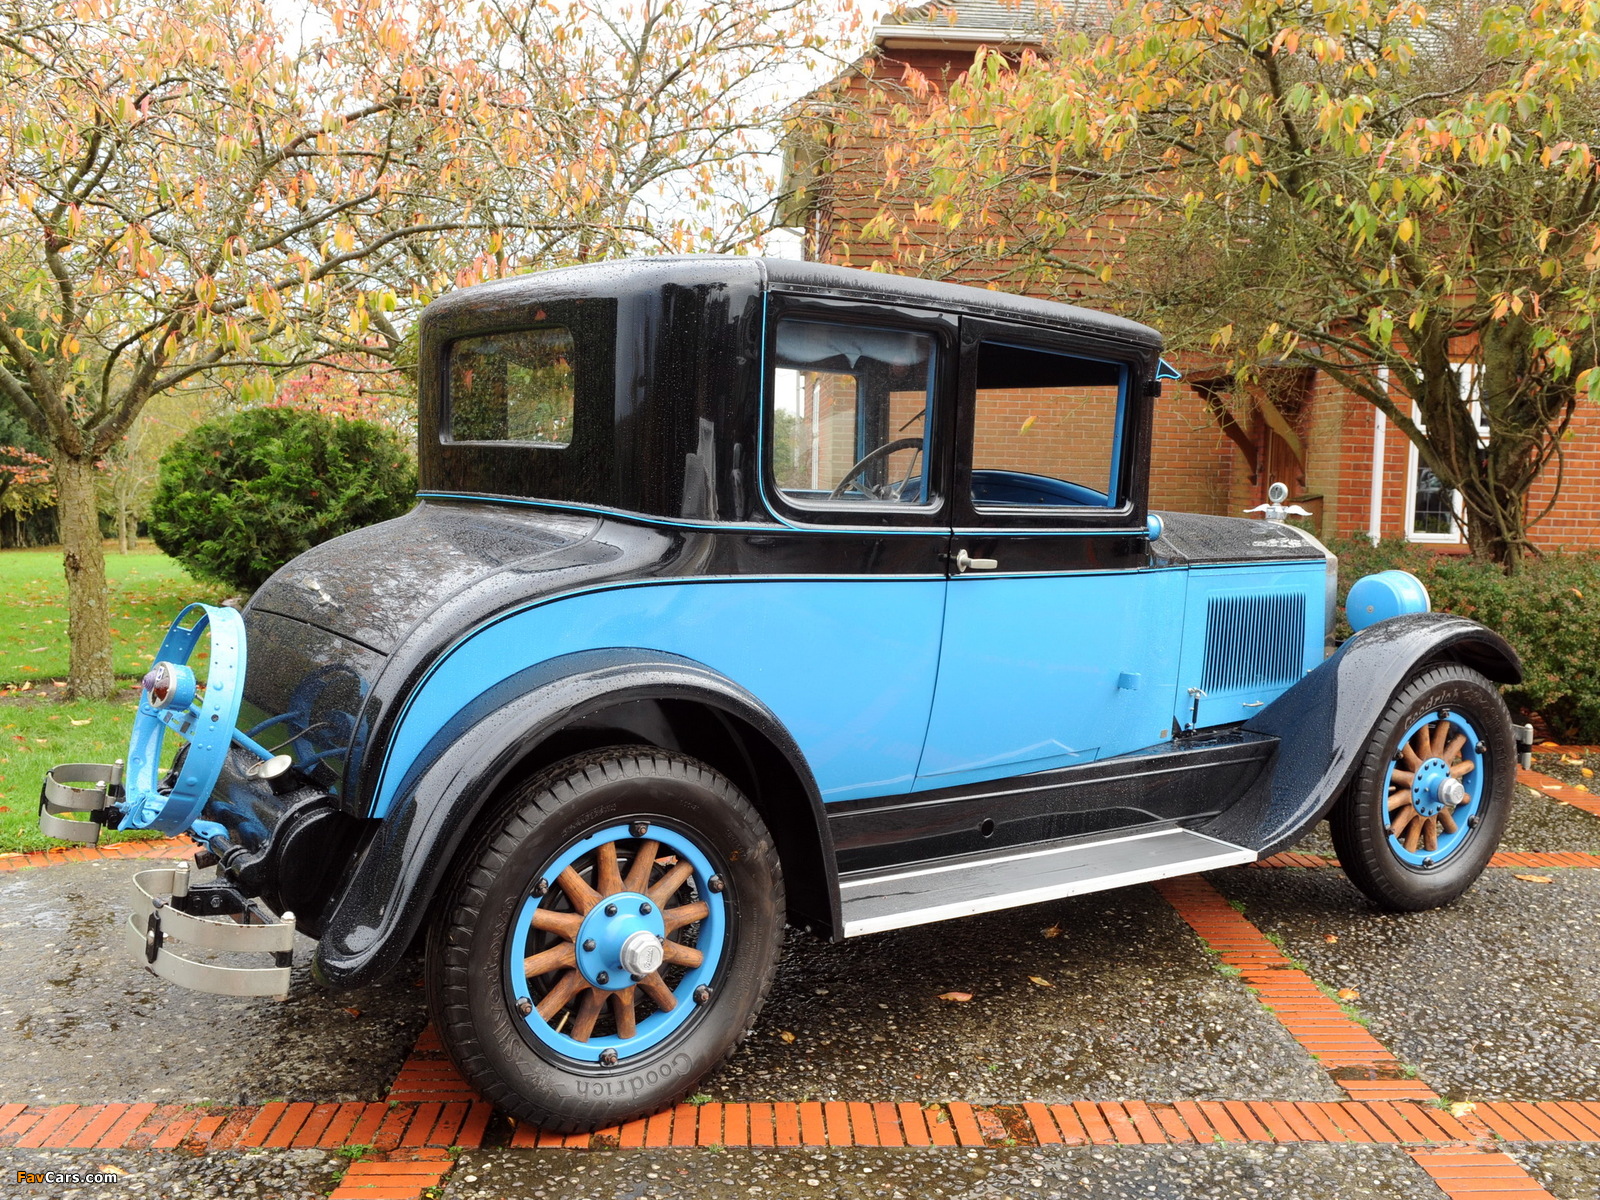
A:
(1125, 516)
(944, 328)
(1458, 533)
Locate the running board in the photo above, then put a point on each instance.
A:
(1006, 879)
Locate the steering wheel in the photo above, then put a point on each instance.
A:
(883, 451)
(167, 701)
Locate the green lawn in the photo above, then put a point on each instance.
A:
(37, 728)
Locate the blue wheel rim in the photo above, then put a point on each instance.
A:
(708, 933)
(1418, 807)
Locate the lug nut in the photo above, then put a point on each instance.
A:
(541, 887)
(588, 943)
(524, 1006)
(608, 1058)
(611, 910)
(1427, 862)
(638, 829)
(702, 994)
(603, 978)
(1473, 822)
(1482, 747)
(644, 909)
(714, 883)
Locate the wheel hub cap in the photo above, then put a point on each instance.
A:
(622, 935)
(641, 953)
(1427, 791)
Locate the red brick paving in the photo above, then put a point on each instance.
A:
(1556, 790)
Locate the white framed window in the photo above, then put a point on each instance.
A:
(1434, 512)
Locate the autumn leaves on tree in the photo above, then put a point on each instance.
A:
(1377, 191)
(194, 187)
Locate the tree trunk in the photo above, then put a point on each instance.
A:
(88, 612)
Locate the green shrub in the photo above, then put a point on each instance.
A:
(1549, 611)
(240, 497)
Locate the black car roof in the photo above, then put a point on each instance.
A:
(631, 275)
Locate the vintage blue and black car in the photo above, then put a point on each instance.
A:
(742, 593)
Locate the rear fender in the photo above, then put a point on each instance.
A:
(446, 790)
(1323, 721)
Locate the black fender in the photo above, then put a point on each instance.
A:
(1323, 721)
(445, 791)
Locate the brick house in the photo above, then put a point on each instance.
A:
(1338, 454)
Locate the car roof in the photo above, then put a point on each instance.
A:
(636, 275)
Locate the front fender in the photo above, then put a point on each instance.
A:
(1323, 721)
(445, 790)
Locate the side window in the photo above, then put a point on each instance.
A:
(513, 387)
(849, 407)
(1047, 428)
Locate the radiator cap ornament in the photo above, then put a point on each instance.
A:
(1275, 510)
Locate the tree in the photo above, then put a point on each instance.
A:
(186, 190)
(1374, 191)
(241, 496)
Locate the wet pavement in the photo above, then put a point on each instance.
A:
(83, 1023)
(1123, 1173)
(1104, 997)
(1496, 996)
(263, 1175)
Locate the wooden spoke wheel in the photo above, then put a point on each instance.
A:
(1434, 786)
(610, 935)
(619, 940)
(1431, 791)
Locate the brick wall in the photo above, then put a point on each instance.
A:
(1195, 467)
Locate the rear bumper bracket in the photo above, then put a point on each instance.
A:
(159, 920)
(99, 788)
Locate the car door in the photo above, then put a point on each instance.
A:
(858, 409)
(1060, 642)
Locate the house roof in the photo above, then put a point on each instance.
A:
(970, 22)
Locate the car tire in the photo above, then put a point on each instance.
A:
(1404, 836)
(514, 899)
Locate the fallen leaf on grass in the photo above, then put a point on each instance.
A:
(1040, 981)
(958, 997)
(1535, 878)
(1349, 994)
(85, 721)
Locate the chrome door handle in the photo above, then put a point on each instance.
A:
(965, 562)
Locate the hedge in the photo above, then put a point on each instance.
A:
(1549, 611)
(240, 497)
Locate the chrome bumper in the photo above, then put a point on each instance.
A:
(163, 913)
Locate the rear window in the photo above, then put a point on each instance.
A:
(514, 387)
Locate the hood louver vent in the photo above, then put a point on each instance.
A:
(1253, 641)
